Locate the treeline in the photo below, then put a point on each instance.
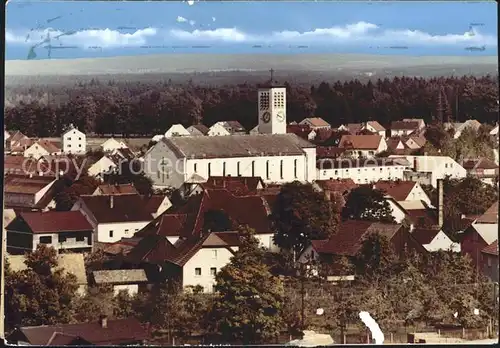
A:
(146, 109)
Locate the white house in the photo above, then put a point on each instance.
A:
(362, 171)
(176, 130)
(374, 127)
(105, 165)
(114, 217)
(458, 128)
(403, 191)
(405, 127)
(366, 146)
(198, 129)
(315, 123)
(42, 148)
(483, 169)
(428, 169)
(434, 240)
(276, 158)
(415, 142)
(74, 141)
(218, 129)
(112, 144)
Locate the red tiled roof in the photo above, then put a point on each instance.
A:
(24, 166)
(233, 126)
(490, 216)
(152, 203)
(377, 126)
(393, 142)
(49, 146)
(235, 184)
(426, 216)
(118, 331)
(360, 142)
(16, 136)
(123, 189)
(354, 128)
(329, 151)
(202, 128)
(337, 185)
(126, 208)
(14, 183)
(299, 130)
(317, 122)
(491, 249)
(419, 139)
(349, 237)
(323, 134)
(53, 221)
(482, 163)
(405, 125)
(399, 190)
(424, 235)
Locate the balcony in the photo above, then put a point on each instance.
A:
(71, 243)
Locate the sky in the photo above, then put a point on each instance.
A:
(81, 29)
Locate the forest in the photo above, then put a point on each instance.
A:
(140, 109)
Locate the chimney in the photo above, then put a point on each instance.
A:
(111, 201)
(103, 321)
(440, 201)
(415, 164)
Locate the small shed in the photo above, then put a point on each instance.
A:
(130, 280)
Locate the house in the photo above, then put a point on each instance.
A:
(237, 185)
(329, 152)
(419, 121)
(107, 164)
(374, 127)
(130, 280)
(106, 332)
(16, 141)
(415, 141)
(481, 233)
(348, 241)
(112, 144)
(157, 138)
(118, 189)
(402, 190)
(63, 230)
(218, 129)
(198, 129)
(277, 158)
(459, 128)
(366, 146)
(23, 166)
(489, 259)
(43, 148)
(315, 123)
(335, 188)
(351, 128)
(70, 263)
(74, 141)
(28, 192)
(226, 128)
(396, 146)
(428, 169)
(434, 240)
(176, 130)
(402, 128)
(124, 153)
(303, 131)
(483, 169)
(362, 171)
(114, 217)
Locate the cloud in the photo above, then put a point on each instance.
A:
(221, 34)
(105, 38)
(191, 22)
(190, 2)
(181, 19)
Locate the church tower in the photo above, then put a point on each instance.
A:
(272, 107)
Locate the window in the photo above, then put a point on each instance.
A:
(336, 172)
(69, 145)
(213, 271)
(79, 145)
(46, 240)
(214, 288)
(223, 168)
(446, 165)
(295, 168)
(69, 138)
(126, 232)
(238, 169)
(111, 234)
(79, 138)
(209, 168)
(214, 254)
(253, 168)
(267, 169)
(264, 101)
(281, 169)
(359, 170)
(197, 271)
(195, 167)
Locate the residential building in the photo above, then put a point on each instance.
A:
(315, 123)
(218, 129)
(106, 332)
(124, 153)
(118, 189)
(329, 152)
(415, 141)
(62, 230)
(365, 146)
(226, 128)
(42, 148)
(16, 142)
(402, 190)
(402, 128)
(74, 141)
(396, 146)
(277, 158)
(483, 169)
(336, 190)
(130, 280)
(198, 129)
(176, 130)
(112, 144)
(107, 164)
(419, 121)
(426, 170)
(351, 128)
(362, 171)
(22, 192)
(69, 263)
(374, 127)
(114, 217)
(489, 258)
(434, 240)
(303, 131)
(458, 128)
(23, 166)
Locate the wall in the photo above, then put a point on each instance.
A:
(266, 240)
(74, 141)
(311, 164)
(19, 242)
(165, 204)
(472, 244)
(176, 130)
(18, 199)
(217, 130)
(442, 242)
(101, 166)
(43, 191)
(119, 230)
(205, 260)
(418, 194)
(112, 144)
(132, 289)
(397, 213)
(363, 175)
(35, 151)
(169, 176)
(400, 132)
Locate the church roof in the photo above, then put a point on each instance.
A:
(237, 146)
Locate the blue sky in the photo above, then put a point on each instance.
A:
(99, 29)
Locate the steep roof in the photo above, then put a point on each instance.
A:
(491, 249)
(49, 146)
(377, 126)
(361, 142)
(426, 216)
(233, 126)
(200, 128)
(126, 208)
(118, 189)
(354, 128)
(349, 237)
(424, 235)
(52, 222)
(399, 190)
(237, 146)
(490, 216)
(118, 331)
(480, 163)
(316, 122)
(16, 136)
(301, 130)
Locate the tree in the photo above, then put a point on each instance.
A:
(41, 294)
(66, 197)
(376, 257)
(250, 299)
(365, 203)
(301, 214)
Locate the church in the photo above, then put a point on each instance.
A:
(272, 154)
